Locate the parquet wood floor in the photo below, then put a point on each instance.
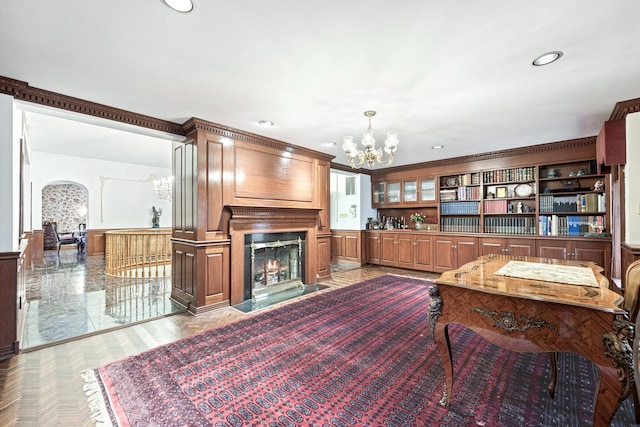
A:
(44, 388)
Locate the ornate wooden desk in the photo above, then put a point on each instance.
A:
(528, 315)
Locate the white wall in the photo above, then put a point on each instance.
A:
(9, 174)
(632, 176)
(350, 212)
(123, 200)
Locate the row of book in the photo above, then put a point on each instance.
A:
(590, 202)
(496, 206)
(460, 193)
(509, 175)
(570, 225)
(459, 208)
(465, 179)
(510, 225)
(460, 225)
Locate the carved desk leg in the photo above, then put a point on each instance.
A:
(441, 337)
(618, 349)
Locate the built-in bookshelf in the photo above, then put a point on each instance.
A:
(573, 200)
(460, 197)
(566, 199)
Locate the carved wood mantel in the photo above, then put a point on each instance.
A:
(249, 220)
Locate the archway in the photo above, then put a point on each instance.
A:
(66, 204)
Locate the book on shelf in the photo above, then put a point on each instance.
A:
(570, 225)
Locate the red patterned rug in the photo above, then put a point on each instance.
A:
(355, 356)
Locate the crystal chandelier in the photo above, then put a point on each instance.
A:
(162, 188)
(371, 154)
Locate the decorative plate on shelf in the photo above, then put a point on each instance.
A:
(523, 190)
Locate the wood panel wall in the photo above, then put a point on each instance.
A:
(346, 245)
(229, 183)
(13, 302)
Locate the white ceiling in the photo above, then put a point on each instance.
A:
(454, 73)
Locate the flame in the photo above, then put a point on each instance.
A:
(273, 264)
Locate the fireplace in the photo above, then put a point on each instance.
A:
(273, 264)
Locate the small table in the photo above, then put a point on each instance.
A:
(529, 315)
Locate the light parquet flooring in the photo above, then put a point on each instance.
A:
(44, 388)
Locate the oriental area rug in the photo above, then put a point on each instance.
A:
(360, 355)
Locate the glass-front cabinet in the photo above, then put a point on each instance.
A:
(393, 192)
(409, 192)
(378, 193)
(428, 190)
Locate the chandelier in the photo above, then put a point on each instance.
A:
(162, 188)
(371, 154)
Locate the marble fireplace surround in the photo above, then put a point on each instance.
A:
(253, 220)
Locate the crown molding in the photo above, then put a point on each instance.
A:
(623, 108)
(492, 155)
(22, 91)
(196, 124)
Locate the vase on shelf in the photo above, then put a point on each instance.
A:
(418, 226)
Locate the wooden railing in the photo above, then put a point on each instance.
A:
(138, 253)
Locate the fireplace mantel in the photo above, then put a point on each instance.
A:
(254, 213)
(245, 220)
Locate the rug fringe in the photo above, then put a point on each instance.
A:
(97, 406)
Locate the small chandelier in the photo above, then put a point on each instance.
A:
(371, 154)
(162, 188)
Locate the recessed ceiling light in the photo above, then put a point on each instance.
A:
(547, 58)
(265, 123)
(329, 144)
(183, 6)
(437, 147)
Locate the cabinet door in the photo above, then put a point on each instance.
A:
(552, 249)
(492, 246)
(351, 248)
(521, 247)
(443, 247)
(337, 245)
(388, 243)
(466, 250)
(372, 243)
(324, 257)
(423, 252)
(378, 193)
(598, 252)
(393, 192)
(409, 191)
(404, 257)
(428, 190)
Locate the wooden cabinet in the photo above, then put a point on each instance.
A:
(423, 252)
(427, 190)
(372, 248)
(404, 193)
(345, 245)
(12, 300)
(438, 252)
(324, 257)
(397, 250)
(507, 246)
(410, 191)
(595, 251)
(452, 252)
(411, 250)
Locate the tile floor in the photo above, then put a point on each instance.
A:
(70, 295)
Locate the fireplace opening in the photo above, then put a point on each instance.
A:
(273, 263)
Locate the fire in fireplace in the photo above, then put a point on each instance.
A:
(274, 263)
